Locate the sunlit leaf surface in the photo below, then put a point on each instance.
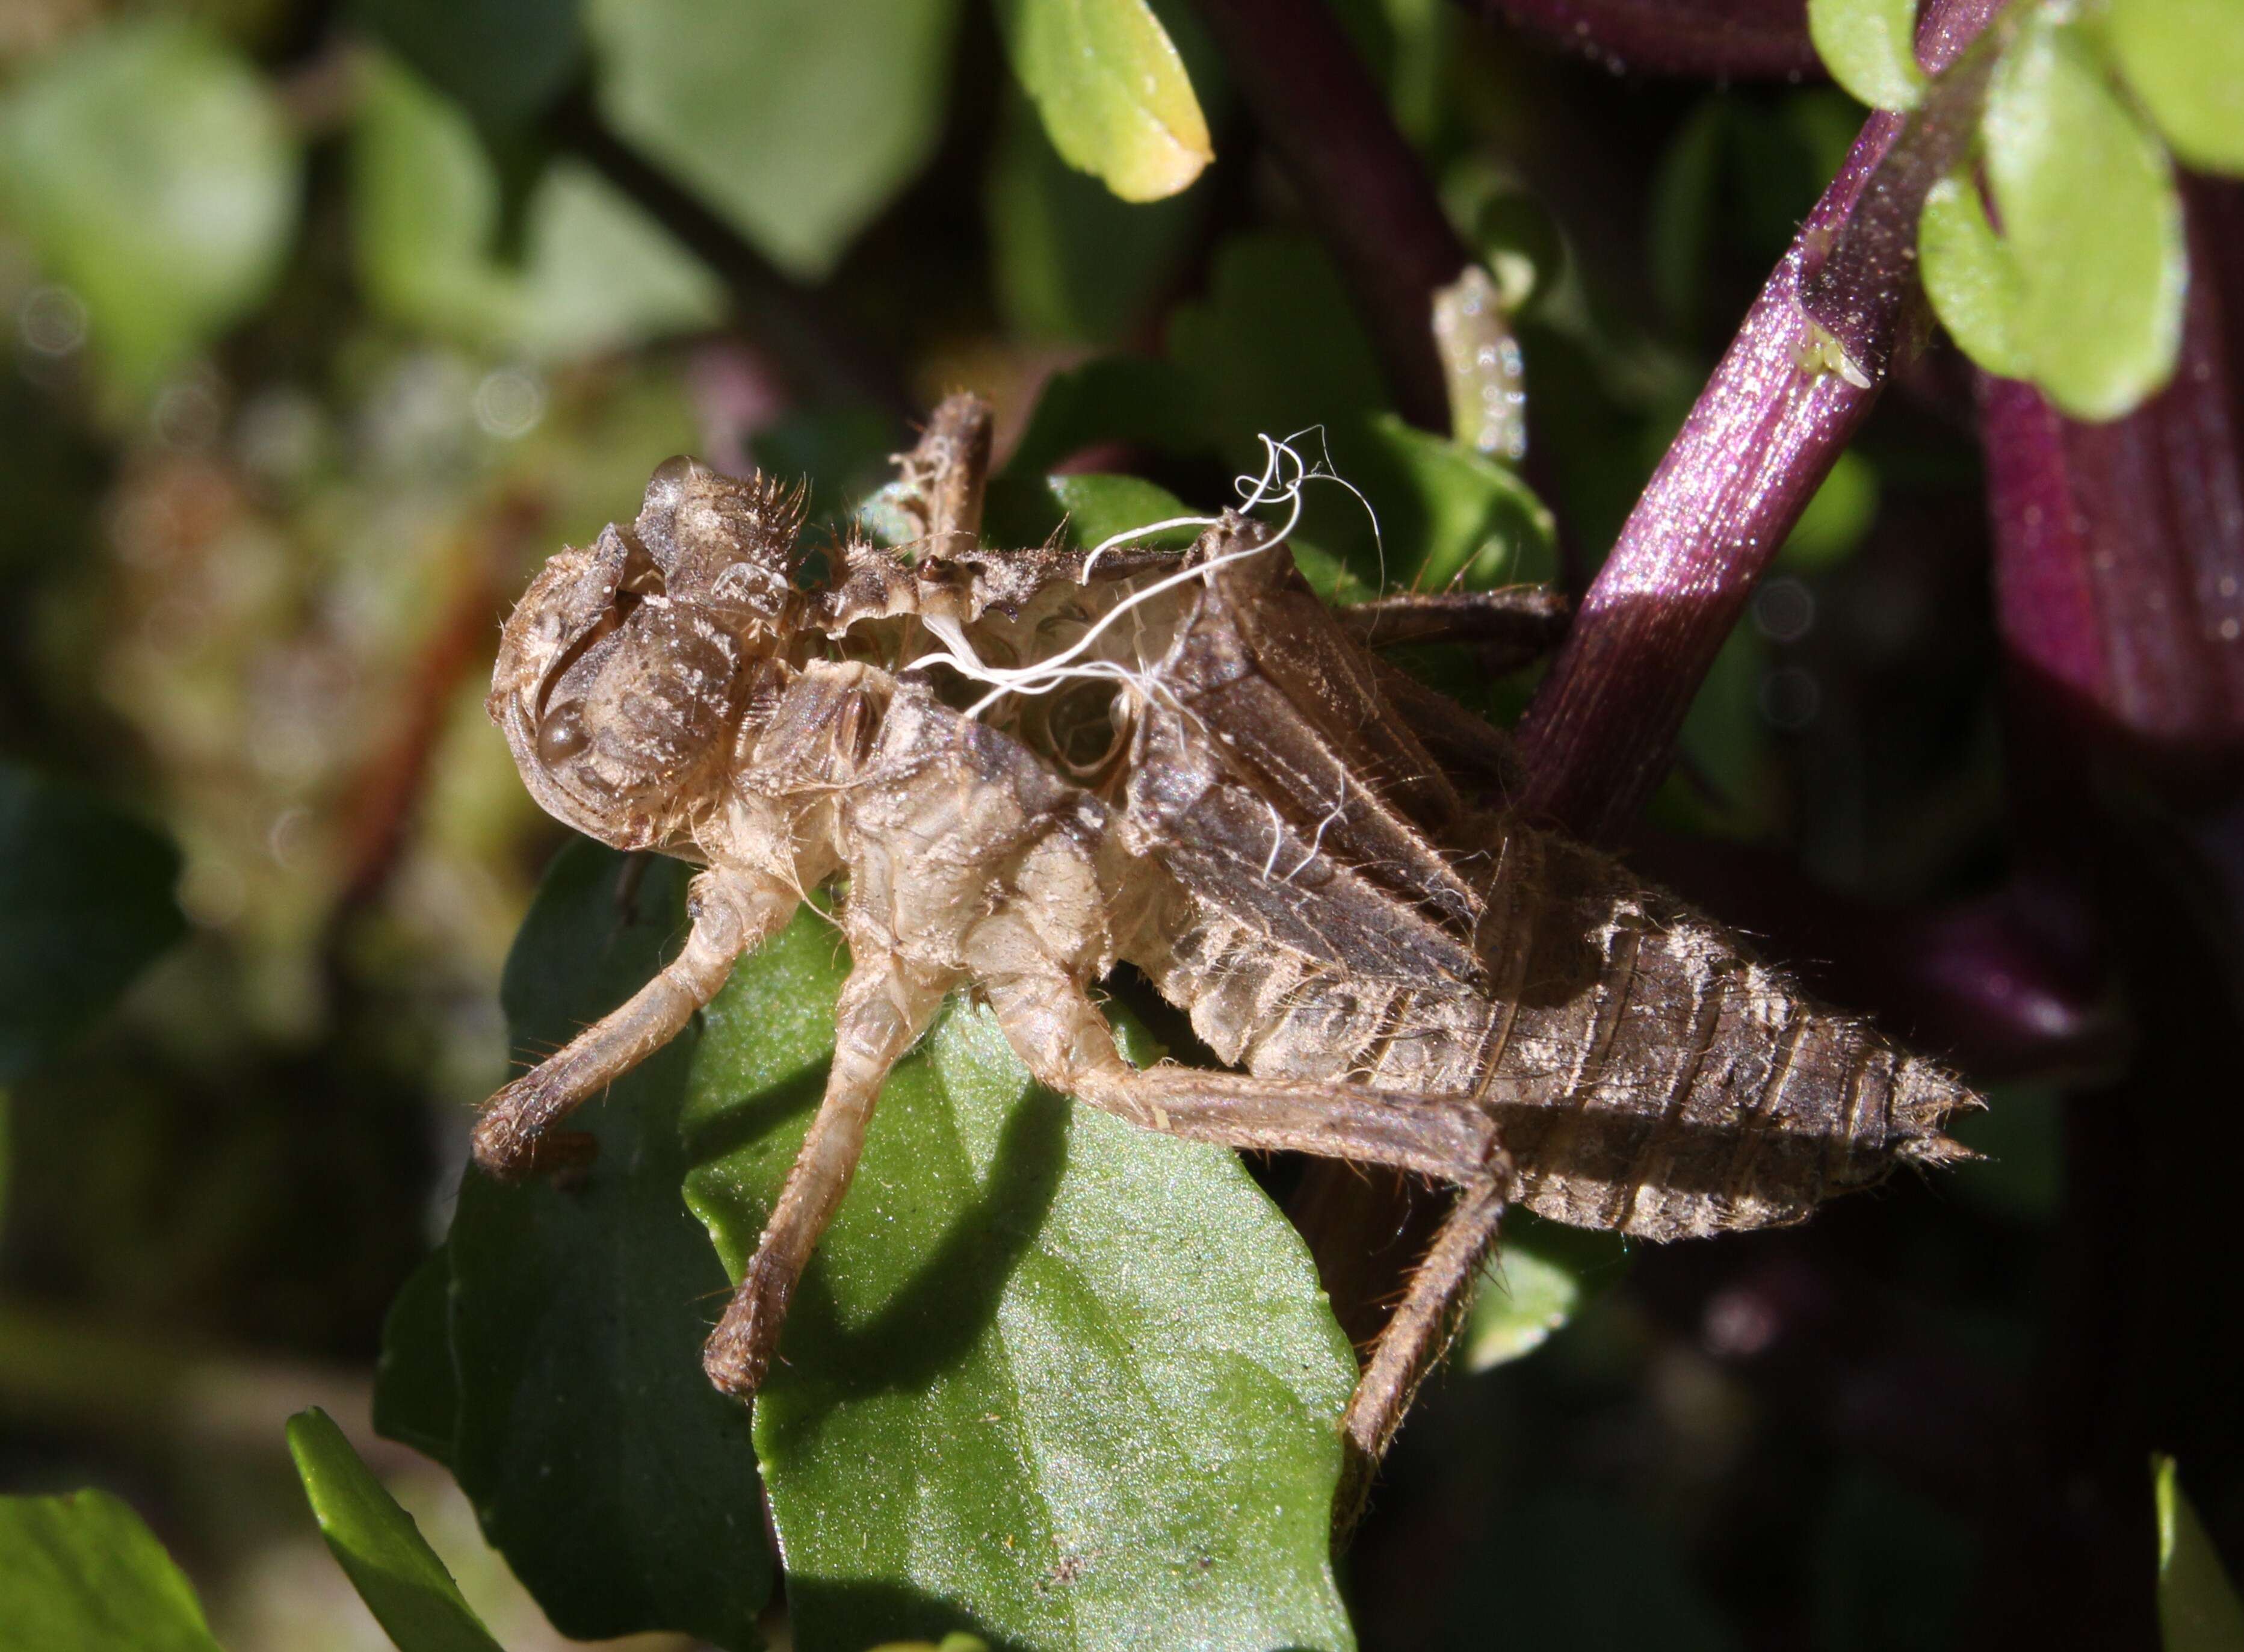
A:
(1869, 46)
(2091, 215)
(1113, 92)
(81, 1574)
(2184, 59)
(389, 1563)
(1092, 1362)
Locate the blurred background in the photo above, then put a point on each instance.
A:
(324, 328)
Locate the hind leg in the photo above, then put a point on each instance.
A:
(1067, 1044)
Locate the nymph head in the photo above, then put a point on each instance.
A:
(625, 670)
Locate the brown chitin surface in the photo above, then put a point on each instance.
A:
(1648, 1075)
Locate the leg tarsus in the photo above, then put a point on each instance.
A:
(1419, 1332)
(881, 1014)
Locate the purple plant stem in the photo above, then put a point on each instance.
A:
(1729, 39)
(1760, 440)
(1359, 180)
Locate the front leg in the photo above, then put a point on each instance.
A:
(883, 1009)
(734, 913)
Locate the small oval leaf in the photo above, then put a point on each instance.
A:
(408, 1590)
(1869, 46)
(2184, 59)
(1971, 278)
(1113, 91)
(2091, 216)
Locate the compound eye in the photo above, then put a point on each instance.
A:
(561, 733)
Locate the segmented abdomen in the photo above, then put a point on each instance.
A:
(1647, 1074)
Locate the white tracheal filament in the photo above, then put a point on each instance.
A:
(1280, 483)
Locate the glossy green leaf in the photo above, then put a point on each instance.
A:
(388, 1562)
(1071, 263)
(81, 1574)
(1543, 1275)
(1869, 46)
(2199, 1610)
(2091, 217)
(1112, 89)
(796, 119)
(149, 166)
(2184, 59)
(1052, 1378)
(504, 61)
(1970, 277)
(86, 903)
(1089, 510)
(596, 274)
(619, 1486)
(417, 1392)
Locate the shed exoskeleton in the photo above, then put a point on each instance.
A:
(1032, 765)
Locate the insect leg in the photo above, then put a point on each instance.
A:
(882, 1011)
(733, 914)
(1421, 1326)
(1517, 623)
(945, 473)
(1065, 1041)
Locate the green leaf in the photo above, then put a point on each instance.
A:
(596, 274)
(1116, 398)
(1542, 1276)
(1273, 347)
(619, 1486)
(1092, 508)
(86, 903)
(389, 1563)
(1112, 89)
(1072, 263)
(417, 1392)
(1838, 518)
(798, 120)
(503, 61)
(81, 1574)
(153, 171)
(2091, 216)
(1972, 278)
(1445, 511)
(1869, 46)
(2184, 59)
(1052, 1378)
(2198, 1607)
